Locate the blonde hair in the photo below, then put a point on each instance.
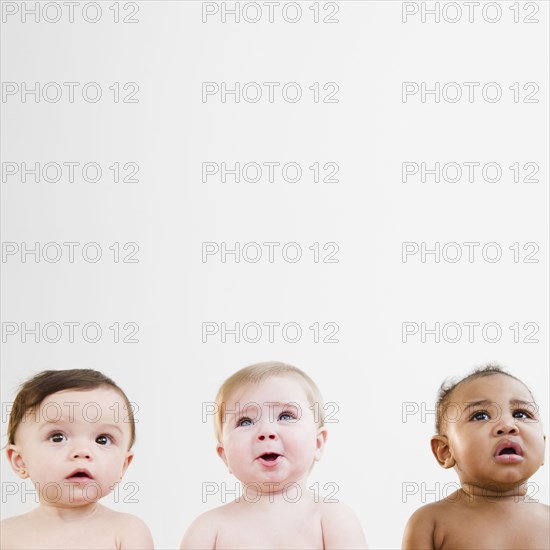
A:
(254, 374)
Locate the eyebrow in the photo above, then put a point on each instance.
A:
(488, 402)
(257, 406)
(61, 421)
(240, 411)
(115, 427)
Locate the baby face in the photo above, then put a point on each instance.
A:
(269, 434)
(494, 433)
(74, 447)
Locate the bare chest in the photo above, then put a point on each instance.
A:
(278, 532)
(60, 537)
(489, 530)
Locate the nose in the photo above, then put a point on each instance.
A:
(267, 433)
(506, 425)
(81, 451)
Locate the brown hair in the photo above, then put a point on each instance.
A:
(254, 374)
(36, 389)
(447, 388)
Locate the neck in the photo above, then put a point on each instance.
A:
(269, 494)
(494, 493)
(68, 512)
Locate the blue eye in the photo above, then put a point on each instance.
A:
(289, 417)
(57, 437)
(480, 415)
(104, 439)
(245, 422)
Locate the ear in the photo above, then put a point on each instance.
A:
(221, 453)
(127, 462)
(442, 452)
(320, 441)
(16, 461)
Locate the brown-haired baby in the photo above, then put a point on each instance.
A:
(71, 432)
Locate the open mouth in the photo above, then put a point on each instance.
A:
(509, 448)
(507, 451)
(80, 474)
(270, 457)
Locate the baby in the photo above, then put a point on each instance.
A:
(270, 433)
(70, 432)
(488, 430)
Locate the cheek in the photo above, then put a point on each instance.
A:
(41, 458)
(44, 468)
(304, 439)
(115, 459)
(110, 466)
(540, 441)
(235, 447)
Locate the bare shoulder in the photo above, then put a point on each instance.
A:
(420, 529)
(341, 527)
(11, 527)
(9, 523)
(132, 532)
(543, 510)
(203, 532)
(14, 521)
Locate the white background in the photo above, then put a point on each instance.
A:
(370, 374)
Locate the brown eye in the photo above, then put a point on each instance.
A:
(103, 440)
(522, 414)
(480, 415)
(57, 438)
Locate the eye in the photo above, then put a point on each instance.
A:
(522, 413)
(288, 416)
(480, 415)
(104, 439)
(245, 421)
(57, 437)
